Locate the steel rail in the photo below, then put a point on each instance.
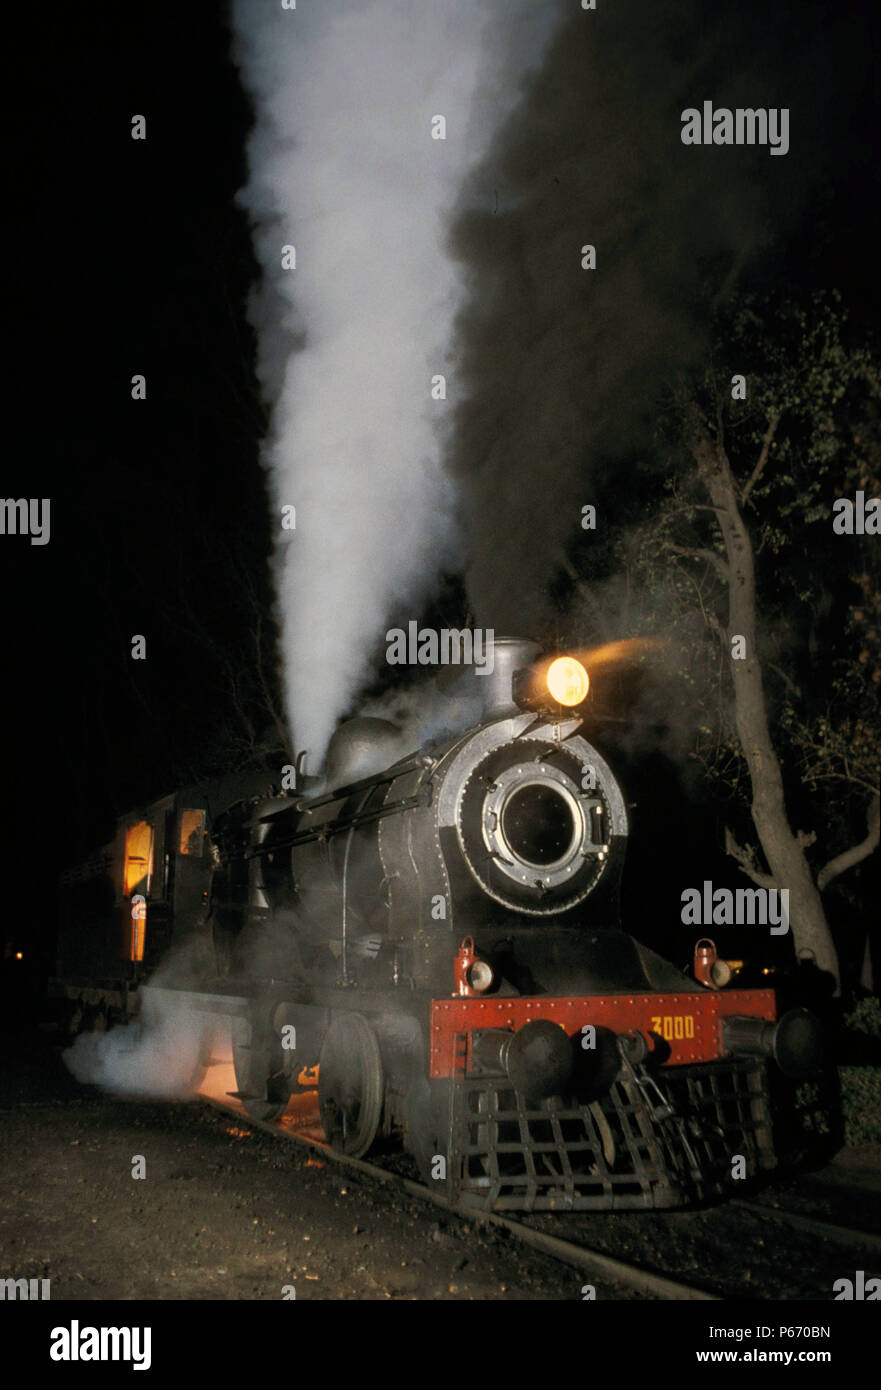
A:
(814, 1225)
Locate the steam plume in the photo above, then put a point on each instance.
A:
(344, 169)
(161, 1055)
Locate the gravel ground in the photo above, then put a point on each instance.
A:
(226, 1211)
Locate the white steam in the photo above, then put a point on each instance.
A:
(161, 1055)
(343, 167)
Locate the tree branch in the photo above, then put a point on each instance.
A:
(851, 779)
(746, 858)
(570, 569)
(762, 459)
(856, 853)
(691, 507)
(787, 680)
(710, 556)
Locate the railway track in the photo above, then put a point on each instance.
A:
(300, 1124)
(591, 1262)
(828, 1230)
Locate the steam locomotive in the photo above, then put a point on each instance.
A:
(436, 938)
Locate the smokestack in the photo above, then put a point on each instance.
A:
(510, 654)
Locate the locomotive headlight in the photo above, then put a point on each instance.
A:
(480, 976)
(567, 681)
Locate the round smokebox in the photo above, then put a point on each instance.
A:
(540, 824)
(532, 835)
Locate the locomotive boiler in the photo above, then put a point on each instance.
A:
(436, 936)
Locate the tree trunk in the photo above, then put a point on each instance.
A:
(782, 849)
(867, 978)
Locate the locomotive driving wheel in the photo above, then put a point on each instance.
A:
(262, 1082)
(350, 1085)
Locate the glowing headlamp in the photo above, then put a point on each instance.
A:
(567, 681)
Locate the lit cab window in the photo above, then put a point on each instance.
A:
(192, 832)
(138, 858)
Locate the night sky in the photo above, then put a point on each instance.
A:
(128, 257)
(131, 257)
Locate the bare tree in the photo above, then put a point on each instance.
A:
(782, 459)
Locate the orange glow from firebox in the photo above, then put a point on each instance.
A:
(218, 1084)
